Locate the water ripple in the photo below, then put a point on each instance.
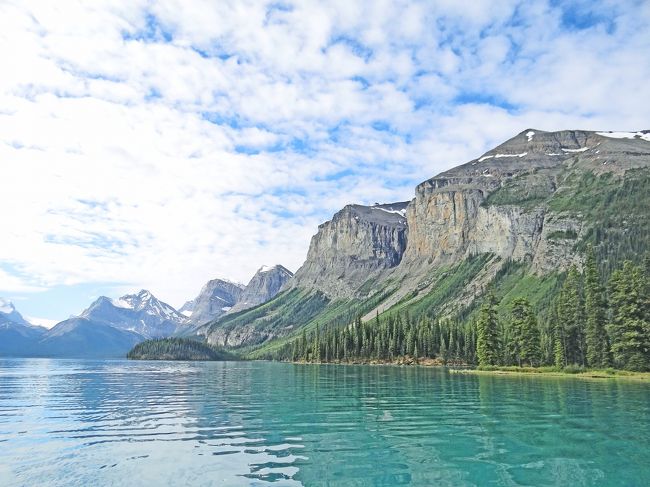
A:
(69, 422)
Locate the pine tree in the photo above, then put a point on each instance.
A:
(595, 312)
(629, 329)
(444, 355)
(316, 356)
(487, 339)
(525, 333)
(303, 345)
(570, 324)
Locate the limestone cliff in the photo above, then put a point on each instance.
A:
(534, 201)
(356, 245)
(452, 217)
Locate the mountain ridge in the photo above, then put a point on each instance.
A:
(521, 201)
(513, 219)
(141, 313)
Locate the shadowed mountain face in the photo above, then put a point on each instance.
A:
(17, 335)
(141, 313)
(81, 337)
(532, 203)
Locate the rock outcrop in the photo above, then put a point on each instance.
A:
(448, 218)
(356, 245)
(216, 298)
(264, 285)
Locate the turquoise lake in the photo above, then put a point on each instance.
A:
(96, 423)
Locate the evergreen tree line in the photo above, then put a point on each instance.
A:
(386, 339)
(177, 349)
(590, 325)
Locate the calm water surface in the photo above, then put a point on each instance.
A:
(95, 423)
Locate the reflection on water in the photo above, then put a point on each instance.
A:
(71, 422)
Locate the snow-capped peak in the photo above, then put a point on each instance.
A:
(145, 295)
(8, 310)
(6, 306)
(277, 267)
(147, 302)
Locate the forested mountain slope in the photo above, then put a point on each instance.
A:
(513, 220)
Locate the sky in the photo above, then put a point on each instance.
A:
(160, 144)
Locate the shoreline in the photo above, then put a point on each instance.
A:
(617, 374)
(540, 372)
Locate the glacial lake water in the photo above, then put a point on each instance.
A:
(96, 423)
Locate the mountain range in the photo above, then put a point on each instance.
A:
(111, 327)
(511, 221)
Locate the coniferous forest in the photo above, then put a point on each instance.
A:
(178, 349)
(591, 325)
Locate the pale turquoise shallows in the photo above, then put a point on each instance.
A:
(96, 423)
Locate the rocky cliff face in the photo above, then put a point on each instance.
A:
(216, 298)
(529, 200)
(356, 245)
(449, 220)
(264, 285)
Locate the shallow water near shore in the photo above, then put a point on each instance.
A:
(84, 422)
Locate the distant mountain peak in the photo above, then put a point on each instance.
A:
(143, 300)
(8, 312)
(145, 294)
(141, 312)
(276, 268)
(265, 284)
(216, 297)
(6, 306)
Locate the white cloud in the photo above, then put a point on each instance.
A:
(161, 144)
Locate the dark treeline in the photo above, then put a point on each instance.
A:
(589, 325)
(177, 349)
(386, 339)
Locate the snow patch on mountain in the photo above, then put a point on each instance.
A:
(499, 156)
(6, 306)
(644, 135)
(401, 212)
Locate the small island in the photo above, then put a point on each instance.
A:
(178, 349)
